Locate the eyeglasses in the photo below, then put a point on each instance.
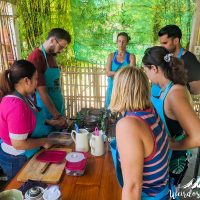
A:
(61, 47)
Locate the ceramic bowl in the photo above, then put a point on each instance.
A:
(11, 195)
(34, 193)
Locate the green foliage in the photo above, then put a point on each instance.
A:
(93, 24)
(37, 17)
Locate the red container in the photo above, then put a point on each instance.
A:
(76, 168)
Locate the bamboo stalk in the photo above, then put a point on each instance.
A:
(4, 52)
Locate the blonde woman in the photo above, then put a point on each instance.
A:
(142, 146)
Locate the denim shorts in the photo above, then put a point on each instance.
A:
(11, 164)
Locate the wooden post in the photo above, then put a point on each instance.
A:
(195, 41)
(195, 35)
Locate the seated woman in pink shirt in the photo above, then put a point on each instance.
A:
(17, 116)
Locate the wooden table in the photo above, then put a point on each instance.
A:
(98, 183)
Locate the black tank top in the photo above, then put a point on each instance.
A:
(174, 127)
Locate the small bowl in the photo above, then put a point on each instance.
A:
(11, 195)
(52, 193)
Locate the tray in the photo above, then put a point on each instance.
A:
(53, 156)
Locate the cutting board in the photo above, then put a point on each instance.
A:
(32, 171)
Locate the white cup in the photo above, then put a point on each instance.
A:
(97, 144)
(81, 140)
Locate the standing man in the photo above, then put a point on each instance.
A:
(170, 37)
(48, 95)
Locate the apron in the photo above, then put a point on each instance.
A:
(52, 80)
(37, 131)
(115, 67)
(158, 103)
(178, 161)
(163, 195)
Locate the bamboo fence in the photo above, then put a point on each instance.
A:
(7, 50)
(84, 86)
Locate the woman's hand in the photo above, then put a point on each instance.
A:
(48, 144)
(61, 122)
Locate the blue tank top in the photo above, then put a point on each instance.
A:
(115, 67)
(118, 65)
(156, 166)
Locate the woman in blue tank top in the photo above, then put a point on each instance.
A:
(142, 142)
(115, 61)
(173, 104)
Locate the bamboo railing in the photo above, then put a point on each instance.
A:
(84, 86)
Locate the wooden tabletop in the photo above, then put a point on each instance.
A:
(98, 183)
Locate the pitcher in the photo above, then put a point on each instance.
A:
(81, 140)
(97, 144)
